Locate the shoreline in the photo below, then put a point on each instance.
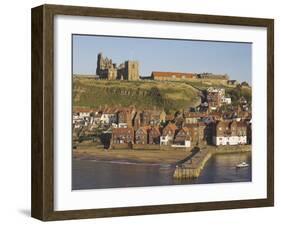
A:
(126, 162)
(155, 157)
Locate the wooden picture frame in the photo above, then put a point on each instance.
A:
(43, 112)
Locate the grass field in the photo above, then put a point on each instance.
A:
(170, 96)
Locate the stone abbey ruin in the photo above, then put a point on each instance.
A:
(128, 70)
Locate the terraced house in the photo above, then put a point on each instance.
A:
(154, 135)
(109, 116)
(141, 135)
(168, 134)
(193, 117)
(126, 115)
(123, 135)
(229, 133)
(197, 132)
(183, 137)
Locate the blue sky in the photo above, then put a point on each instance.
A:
(234, 59)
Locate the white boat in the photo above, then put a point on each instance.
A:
(242, 164)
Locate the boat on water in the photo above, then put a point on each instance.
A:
(242, 165)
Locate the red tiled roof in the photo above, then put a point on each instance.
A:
(122, 130)
(185, 129)
(222, 123)
(171, 126)
(194, 114)
(126, 109)
(109, 111)
(191, 125)
(155, 129)
(241, 124)
(144, 128)
(171, 74)
(201, 124)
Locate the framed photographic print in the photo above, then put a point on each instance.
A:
(141, 112)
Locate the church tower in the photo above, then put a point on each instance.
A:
(132, 70)
(99, 64)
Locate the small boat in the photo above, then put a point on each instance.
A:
(242, 165)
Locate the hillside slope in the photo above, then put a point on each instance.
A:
(235, 92)
(171, 96)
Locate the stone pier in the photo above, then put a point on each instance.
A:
(192, 166)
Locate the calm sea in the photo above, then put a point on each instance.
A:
(221, 168)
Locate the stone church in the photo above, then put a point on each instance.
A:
(129, 70)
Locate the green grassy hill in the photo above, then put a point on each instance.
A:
(171, 96)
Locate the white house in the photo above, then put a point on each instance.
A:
(164, 140)
(109, 116)
(84, 114)
(229, 140)
(226, 100)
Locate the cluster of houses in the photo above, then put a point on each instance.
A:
(216, 132)
(119, 117)
(128, 126)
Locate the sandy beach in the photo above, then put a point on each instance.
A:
(146, 156)
(133, 156)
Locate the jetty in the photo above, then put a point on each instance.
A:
(191, 166)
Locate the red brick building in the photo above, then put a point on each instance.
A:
(197, 132)
(215, 97)
(230, 133)
(193, 117)
(123, 135)
(141, 135)
(126, 115)
(182, 136)
(154, 135)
